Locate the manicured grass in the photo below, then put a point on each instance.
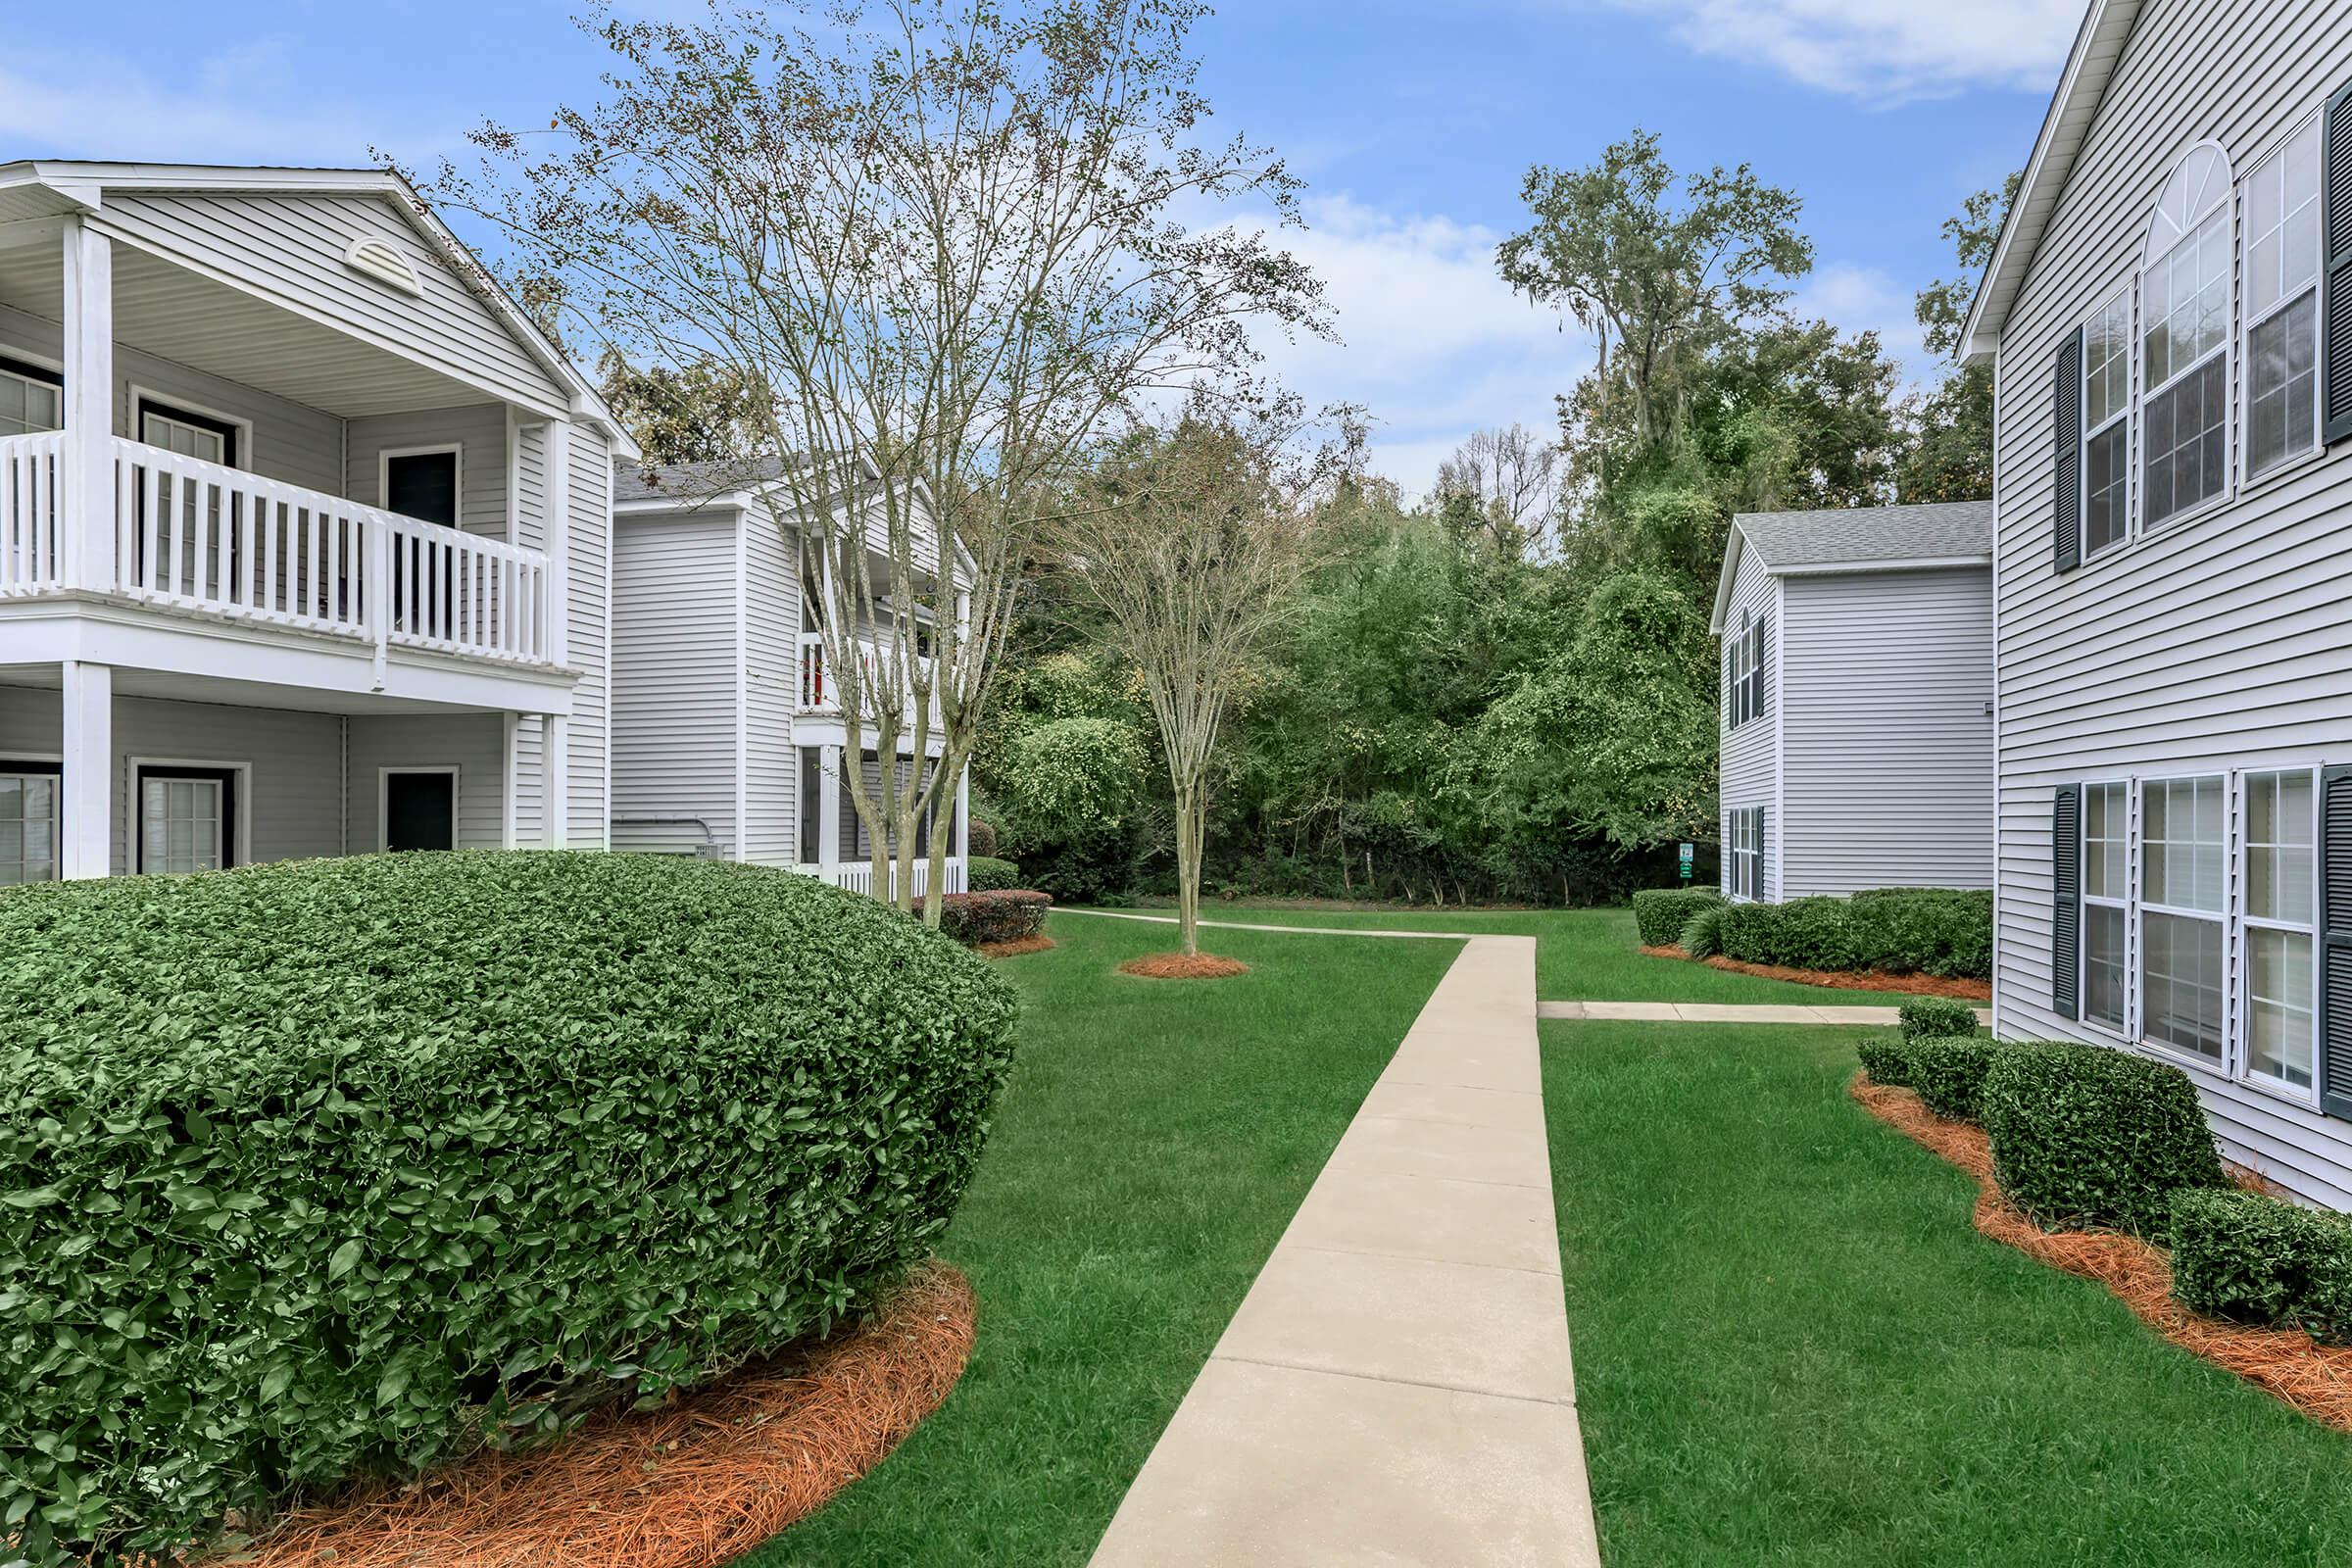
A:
(1155, 1140)
(1581, 955)
(1792, 1348)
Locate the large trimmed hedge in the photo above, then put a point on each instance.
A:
(342, 1167)
(2084, 1135)
(1660, 914)
(2262, 1260)
(1919, 931)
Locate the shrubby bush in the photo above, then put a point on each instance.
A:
(1701, 935)
(2083, 1135)
(984, 873)
(1886, 1058)
(1948, 1071)
(1004, 914)
(347, 1166)
(1803, 934)
(1923, 1018)
(980, 838)
(1948, 934)
(2260, 1259)
(1660, 914)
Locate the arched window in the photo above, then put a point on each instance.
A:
(2184, 337)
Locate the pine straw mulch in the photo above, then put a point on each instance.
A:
(1917, 985)
(1014, 948)
(691, 1485)
(1177, 966)
(2287, 1363)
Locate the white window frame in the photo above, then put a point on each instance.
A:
(383, 797)
(242, 806)
(1743, 651)
(454, 450)
(2126, 800)
(2248, 324)
(241, 461)
(39, 362)
(57, 805)
(1747, 851)
(2227, 205)
(2241, 1045)
(2128, 297)
(2144, 905)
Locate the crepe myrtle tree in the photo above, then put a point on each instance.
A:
(950, 239)
(1198, 532)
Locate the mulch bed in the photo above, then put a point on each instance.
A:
(1917, 985)
(691, 1485)
(2315, 1379)
(1176, 967)
(1014, 948)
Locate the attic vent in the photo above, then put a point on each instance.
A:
(379, 259)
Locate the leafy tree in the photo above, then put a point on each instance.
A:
(704, 413)
(1951, 453)
(1504, 484)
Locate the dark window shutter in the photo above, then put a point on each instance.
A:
(2335, 284)
(1764, 666)
(1728, 711)
(2066, 901)
(2065, 510)
(2335, 941)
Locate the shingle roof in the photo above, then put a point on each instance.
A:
(688, 481)
(1946, 530)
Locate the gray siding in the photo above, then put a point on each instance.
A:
(471, 743)
(1885, 683)
(676, 655)
(1752, 752)
(589, 551)
(771, 693)
(479, 433)
(2225, 641)
(290, 247)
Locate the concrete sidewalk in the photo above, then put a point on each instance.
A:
(1396, 1387)
(1727, 1012)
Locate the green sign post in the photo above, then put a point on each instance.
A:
(1689, 852)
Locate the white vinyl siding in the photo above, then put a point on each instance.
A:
(589, 541)
(475, 743)
(771, 693)
(674, 679)
(1750, 753)
(478, 433)
(2222, 644)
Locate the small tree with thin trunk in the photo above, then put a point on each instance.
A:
(949, 240)
(1199, 533)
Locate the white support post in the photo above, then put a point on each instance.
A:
(828, 807)
(558, 544)
(554, 766)
(87, 542)
(88, 770)
(512, 796)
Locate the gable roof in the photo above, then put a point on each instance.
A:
(56, 188)
(1845, 539)
(690, 483)
(2098, 45)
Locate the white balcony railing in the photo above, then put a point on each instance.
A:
(820, 693)
(858, 876)
(200, 537)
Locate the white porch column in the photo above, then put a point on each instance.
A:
(88, 781)
(557, 541)
(511, 797)
(554, 767)
(87, 543)
(828, 807)
(963, 816)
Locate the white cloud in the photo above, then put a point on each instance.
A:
(1435, 345)
(1886, 50)
(1859, 298)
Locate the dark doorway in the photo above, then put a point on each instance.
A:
(421, 811)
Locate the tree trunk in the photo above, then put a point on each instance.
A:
(1190, 824)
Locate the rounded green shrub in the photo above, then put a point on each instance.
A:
(985, 873)
(1925, 931)
(1927, 1017)
(1885, 1058)
(2083, 1135)
(1660, 914)
(1948, 1071)
(2259, 1259)
(347, 1166)
(1816, 933)
(1701, 936)
(981, 838)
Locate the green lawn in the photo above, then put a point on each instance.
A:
(1581, 955)
(1792, 1348)
(1153, 1141)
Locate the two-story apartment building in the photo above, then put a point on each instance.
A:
(305, 531)
(2169, 311)
(729, 737)
(1856, 719)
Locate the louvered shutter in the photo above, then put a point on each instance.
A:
(2066, 485)
(2335, 284)
(2335, 941)
(2066, 902)
(1763, 666)
(1730, 713)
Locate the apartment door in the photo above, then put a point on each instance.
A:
(420, 808)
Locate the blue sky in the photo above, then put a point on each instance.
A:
(1412, 125)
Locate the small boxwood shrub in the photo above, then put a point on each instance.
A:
(985, 873)
(980, 838)
(1925, 1017)
(1701, 935)
(2260, 1259)
(2083, 1135)
(1886, 1058)
(1004, 915)
(1660, 914)
(346, 1166)
(1948, 1071)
